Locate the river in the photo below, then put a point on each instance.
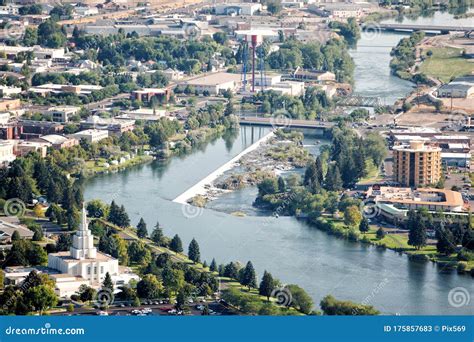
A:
(291, 250)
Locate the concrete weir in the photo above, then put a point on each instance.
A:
(199, 188)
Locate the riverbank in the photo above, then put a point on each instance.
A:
(393, 241)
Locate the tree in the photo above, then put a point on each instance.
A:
(51, 35)
(446, 243)
(352, 216)
(163, 260)
(64, 242)
(141, 229)
(300, 300)
(16, 236)
(332, 306)
(281, 184)
(274, 6)
(173, 280)
(229, 108)
(108, 284)
(417, 229)
(364, 225)
(149, 287)
(40, 298)
(333, 181)
(176, 245)
(157, 234)
(249, 278)
(86, 293)
(138, 252)
(220, 37)
(213, 266)
(193, 251)
(231, 271)
(380, 233)
(267, 285)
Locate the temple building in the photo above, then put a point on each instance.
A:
(83, 264)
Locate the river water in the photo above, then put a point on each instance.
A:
(291, 250)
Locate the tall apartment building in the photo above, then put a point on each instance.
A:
(417, 164)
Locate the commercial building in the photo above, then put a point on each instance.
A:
(417, 163)
(313, 75)
(63, 113)
(461, 87)
(34, 129)
(394, 203)
(58, 141)
(91, 135)
(8, 228)
(50, 88)
(23, 147)
(162, 95)
(215, 83)
(235, 9)
(114, 126)
(6, 91)
(6, 153)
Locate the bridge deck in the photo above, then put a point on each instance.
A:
(285, 122)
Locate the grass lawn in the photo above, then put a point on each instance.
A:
(446, 63)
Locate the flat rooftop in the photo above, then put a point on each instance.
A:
(215, 79)
(421, 196)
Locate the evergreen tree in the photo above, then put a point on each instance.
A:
(157, 234)
(281, 184)
(141, 229)
(319, 170)
(446, 242)
(364, 225)
(417, 230)
(380, 233)
(231, 271)
(64, 242)
(193, 251)
(229, 108)
(310, 174)
(213, 266)
(108, 284)
(333, 179)
(16, 236)
(176, 245)
(124, 220)
(249, 278)
(114, 213)
(267, 285)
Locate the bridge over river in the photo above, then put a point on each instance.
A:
(285, 122)
(427, 28)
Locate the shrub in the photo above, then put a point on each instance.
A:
(462, 266)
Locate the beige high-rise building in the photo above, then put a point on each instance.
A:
(417, 164)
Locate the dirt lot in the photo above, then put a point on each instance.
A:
(425, 117)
